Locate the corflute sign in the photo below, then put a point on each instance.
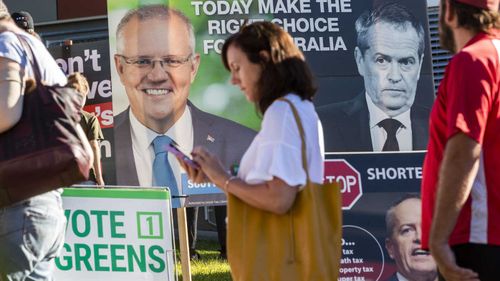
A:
(116, 234)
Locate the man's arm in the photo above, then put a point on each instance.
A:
(457, 173)
(97, 161)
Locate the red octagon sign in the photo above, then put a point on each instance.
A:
(349, 179)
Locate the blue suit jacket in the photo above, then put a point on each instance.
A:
(346, 126)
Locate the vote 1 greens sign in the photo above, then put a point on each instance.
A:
(117, 234)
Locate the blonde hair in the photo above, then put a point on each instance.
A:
(77, 81)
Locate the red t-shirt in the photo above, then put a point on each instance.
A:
(468, 102)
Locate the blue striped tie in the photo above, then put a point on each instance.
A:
(162, 172)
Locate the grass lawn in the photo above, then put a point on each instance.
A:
(209, 268)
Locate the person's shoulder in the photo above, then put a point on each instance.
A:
(479, 61)
(9, 45)
(277, 107)
(10, 38)
(281, 105)
(480, 49)
(280, 109)
(466, 55)
(481, 43)
(90, 116)
(7, 37)
(10, 35)
(87, 115)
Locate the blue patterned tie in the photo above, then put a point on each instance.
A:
(162, 172)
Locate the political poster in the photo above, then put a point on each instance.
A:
(381, 215)
(91, 59)
(325, 30)
(117, 234)
(151, 105)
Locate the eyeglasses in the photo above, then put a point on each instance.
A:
(147, 63)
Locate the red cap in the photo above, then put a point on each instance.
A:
(491, 5)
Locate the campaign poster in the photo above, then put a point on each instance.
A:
(117, 234)
(91, 59)
(371, 61)
(381, 216)
(394, 62)
(187, 101)
(372, 183)
(375, 94)
(398, 77)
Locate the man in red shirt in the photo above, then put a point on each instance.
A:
(461, 180)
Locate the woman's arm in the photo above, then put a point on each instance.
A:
(11, 101)
(274, 196)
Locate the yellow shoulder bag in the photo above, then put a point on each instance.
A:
(303, 244)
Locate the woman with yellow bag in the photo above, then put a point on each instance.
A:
(283, 224)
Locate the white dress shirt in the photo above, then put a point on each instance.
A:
(379, 135)
(142, 146)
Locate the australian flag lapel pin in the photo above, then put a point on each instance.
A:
(210, 138)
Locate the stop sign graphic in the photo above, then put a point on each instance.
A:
(349, 179)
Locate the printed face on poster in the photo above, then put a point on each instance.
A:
(378, 68)
(155, 67)
(371, 60)
(381, 216)
(380, 99)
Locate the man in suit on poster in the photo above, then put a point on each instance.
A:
(403, 227)
(156, 63)
(389, 56)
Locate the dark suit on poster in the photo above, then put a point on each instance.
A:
(346, 126)
(227, 139)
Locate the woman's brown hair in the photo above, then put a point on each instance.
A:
(283, 71)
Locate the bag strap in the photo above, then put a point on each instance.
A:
(32, 58)
(302, 135)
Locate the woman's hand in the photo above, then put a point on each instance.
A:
(210, 166)
(195, 174)
(275, 196)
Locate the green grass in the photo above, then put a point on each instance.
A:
(210, 267)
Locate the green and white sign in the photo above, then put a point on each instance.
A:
(117, 234)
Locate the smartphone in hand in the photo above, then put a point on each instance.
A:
(172, 148)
